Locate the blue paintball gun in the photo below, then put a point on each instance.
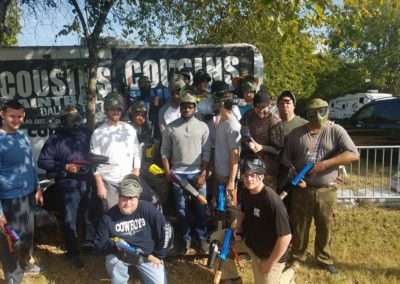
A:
(221, 254)
(296, 179)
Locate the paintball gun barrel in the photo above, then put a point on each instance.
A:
(296, 179)
(220, 254)
(184, 184)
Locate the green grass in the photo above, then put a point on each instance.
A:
(366, 245)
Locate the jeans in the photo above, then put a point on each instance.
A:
(20, 217)
(119, 271)
(77, 200)
(183, 209)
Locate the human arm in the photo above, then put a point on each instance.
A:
(205, 155)
(166, 153)
(3, 219)
(345, 147)
(280, 247)
(234, 156)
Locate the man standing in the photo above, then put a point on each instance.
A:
(185, 150)
(62, 158)
(18, 182)
(327, 146)
(118, 141)
(227, 148)
(133, 232)
(286, 106)
(259, 123)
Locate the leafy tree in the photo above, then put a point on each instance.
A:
(148, 19)
(367, 38)
(9, 22)
(286, 33)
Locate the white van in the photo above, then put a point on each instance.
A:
(344, 107)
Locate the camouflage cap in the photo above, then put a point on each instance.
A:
(114, 99)
(130, 186)
(187, 97)
(317, 103)
(139, 106)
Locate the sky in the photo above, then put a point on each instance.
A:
(42, 31)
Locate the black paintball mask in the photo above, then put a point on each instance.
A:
(71, 121)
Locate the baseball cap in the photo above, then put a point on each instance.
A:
(288, 94)
(130, 186)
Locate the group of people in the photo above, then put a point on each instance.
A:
(222, 137)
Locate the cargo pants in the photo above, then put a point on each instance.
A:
(306, 204)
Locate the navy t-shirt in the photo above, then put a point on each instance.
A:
(145, 228)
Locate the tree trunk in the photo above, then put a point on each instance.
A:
(92, 85)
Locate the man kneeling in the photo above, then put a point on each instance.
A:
(262, 230)
(135, 233)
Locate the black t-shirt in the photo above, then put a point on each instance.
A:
(265, 220)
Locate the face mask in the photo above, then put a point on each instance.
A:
(318, 116)
(72, 121)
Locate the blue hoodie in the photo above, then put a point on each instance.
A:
(18, 176)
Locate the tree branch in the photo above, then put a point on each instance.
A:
(101, 20)
(81, 18)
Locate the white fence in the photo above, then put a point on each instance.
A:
(375, 177)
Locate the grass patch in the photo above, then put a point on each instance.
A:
(366, 246)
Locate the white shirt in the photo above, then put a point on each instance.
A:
(120, 144)
(171, 114)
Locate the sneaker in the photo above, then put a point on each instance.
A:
(329, 267)
(33, 269)
(87, 247)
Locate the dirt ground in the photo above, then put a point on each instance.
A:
(366, 246)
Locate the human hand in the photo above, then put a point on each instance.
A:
(155, 261)
(302, 184)
(101, 191)
(254, 146)
(72, 168)
(3, 222)
(318, 168)
(39, 197)
(200, 180)
(136, 172)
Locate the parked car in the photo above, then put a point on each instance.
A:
(376, 123)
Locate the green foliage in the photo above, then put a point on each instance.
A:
(283, 31)
(366, 38)
(11, 26)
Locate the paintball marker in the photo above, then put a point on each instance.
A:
(220, 254)
(93, 161)
(11, 236)
(184, 184)
(133, 252)
(296, 179)
(247, 138)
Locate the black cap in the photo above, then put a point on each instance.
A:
(254, 165)
(262, 96)
(288, 94)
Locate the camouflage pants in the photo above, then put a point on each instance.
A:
(306, 204)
